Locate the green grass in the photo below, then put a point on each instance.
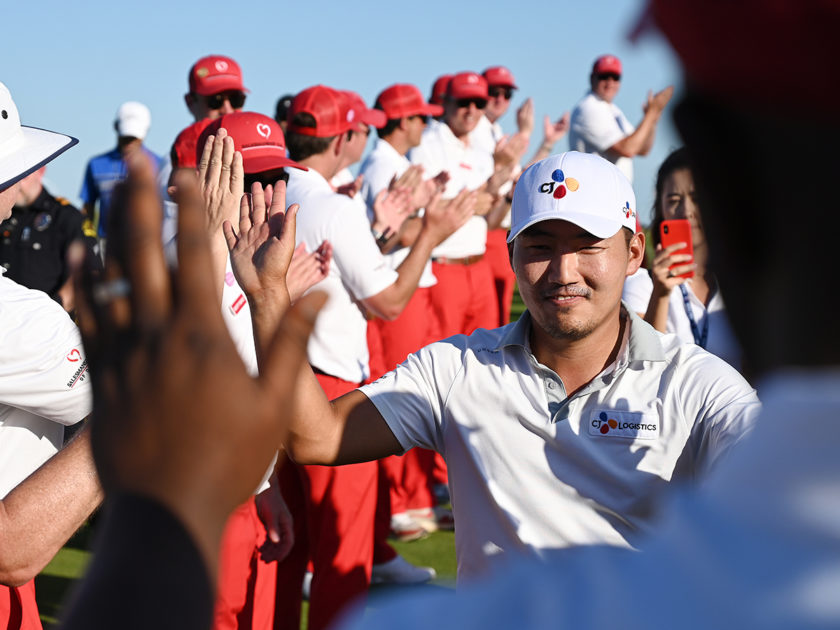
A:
(55, 581)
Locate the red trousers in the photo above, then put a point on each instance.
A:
(504, 279)
(247, 583)
(339, 511)
(18, 608)
(464, 297)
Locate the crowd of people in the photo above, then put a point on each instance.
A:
(290, 364)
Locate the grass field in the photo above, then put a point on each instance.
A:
(55, 581)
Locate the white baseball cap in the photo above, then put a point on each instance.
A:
(581, 188)
(133, 120)
(23, 150)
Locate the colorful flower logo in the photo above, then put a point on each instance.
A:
(627, 210)
(560, 184)
(607, 423)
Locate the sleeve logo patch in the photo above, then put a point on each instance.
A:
(623, 424)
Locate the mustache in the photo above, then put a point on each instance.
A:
(567, 291)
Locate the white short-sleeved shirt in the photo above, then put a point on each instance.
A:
(237, 315)
(595, 126)
(469, 168)
(44, 383)
(338, 345)
(721, 339)
(485, 137)
(382, 164)
(532, 469)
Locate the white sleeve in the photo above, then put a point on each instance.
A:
(598, 126)
(364, 270)
(43, 366)
(637, 291)
(410, 399)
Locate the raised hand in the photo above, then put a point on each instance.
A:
(221, 180)
(525, 117)
(446, 217)
(174, 408)
(352, 188)
(554, 131)
(391, 208)
(307, 269)
(261, 251)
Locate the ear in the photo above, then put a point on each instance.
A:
(636, 253)
(403, 124)
(338, 143)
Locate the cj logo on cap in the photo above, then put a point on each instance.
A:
(221, 65)
(559, 185)
(627, 211)
(264, 130)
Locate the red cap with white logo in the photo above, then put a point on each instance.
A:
(467, 85)
(372, 117)
(606, 63)
(257, 137)
(214, 74)
(403, 101)
(499, 76)
(330, 108)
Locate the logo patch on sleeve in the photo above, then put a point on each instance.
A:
(634, 425)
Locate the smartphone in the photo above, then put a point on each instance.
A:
(677, 231)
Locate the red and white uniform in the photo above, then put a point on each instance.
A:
(463, 298)
(340, 501)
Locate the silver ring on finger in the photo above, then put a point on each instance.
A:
(106, 292)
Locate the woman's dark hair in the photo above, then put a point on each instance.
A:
(677, 161)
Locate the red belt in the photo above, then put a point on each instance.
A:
(467, 260)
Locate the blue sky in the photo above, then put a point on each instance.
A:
(70, 65)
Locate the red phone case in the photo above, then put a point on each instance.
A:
(677, 231)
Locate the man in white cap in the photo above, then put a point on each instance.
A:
(43, 388)
(105, 171)
(599, 126)
(563, 428)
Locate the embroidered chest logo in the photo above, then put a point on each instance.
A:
(559, 185)
(623, 424)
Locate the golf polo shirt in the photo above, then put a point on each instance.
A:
(44, 382)
(382, 164)
(595, 126)
(338, 344)
(533, 469)
(468, 168)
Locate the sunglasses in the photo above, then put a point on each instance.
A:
(496, 92)
(215, 101)
(479, 103)
(609, 75)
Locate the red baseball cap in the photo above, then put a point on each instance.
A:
(606, 63)
(330, 108)
(439, 89)
(214, 74)
(467, 85)
(258, 138)
(499, 76)
(183, 149)
(403, 100)
(372, 117)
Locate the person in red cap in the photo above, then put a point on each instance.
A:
(438, 93)
(343, 181)
(260, 531)
(216, 87)
(407, 495)
(341, 501)
(464, 297)
(599, 126)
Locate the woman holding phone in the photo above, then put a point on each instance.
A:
(679, 294)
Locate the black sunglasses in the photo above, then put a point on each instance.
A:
(215, 101)
(496, 92)
(609, 75)
(480, 103)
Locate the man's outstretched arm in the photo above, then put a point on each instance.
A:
(347, 430)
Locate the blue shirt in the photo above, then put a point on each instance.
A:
(102, 174)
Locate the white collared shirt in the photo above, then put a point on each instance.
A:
(44, 382)
(338, 345)
(532, 469)
(382, 164)
(468, 168)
